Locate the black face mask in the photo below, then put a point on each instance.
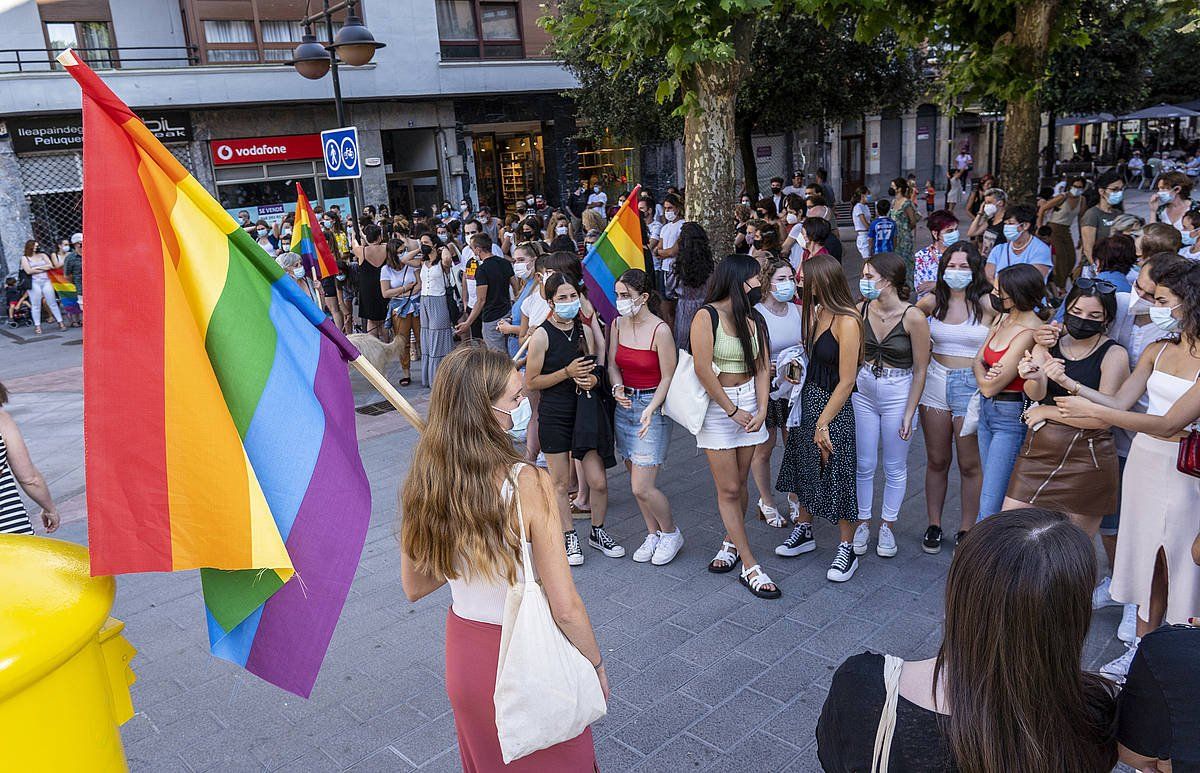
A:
(997, 304)
(426, 250)
(1078, 327)
(754, 295)
(776, 189)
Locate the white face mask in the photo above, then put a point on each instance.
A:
(560, 230)
(792, 218)
(298, 272)
(670, 215)
(520, 416)
(521, 270)
(990, 210)
(627, 307)
(1162, 318)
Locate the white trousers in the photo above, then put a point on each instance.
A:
(878, 415)
(863, 242)
(41, 289)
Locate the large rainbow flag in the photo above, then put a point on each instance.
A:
(617, 250)
(218, 416)
(65, 289)
(308, 241)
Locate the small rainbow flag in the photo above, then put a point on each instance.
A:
(65, 290)
(617, 250)
(218, 416)
(309, 242)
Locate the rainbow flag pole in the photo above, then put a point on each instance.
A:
(308, 240)
(618, 249)
(219, 421)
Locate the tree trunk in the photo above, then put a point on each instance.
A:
(749, 162)
(710, 144)
(1023, 115)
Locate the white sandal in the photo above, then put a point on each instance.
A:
(770, 514)
(794, 511)
(756, 583)
(728, 555)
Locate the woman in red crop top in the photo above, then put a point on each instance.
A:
(1020, 291)
(641, 362)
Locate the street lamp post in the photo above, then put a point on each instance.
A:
(353, 45)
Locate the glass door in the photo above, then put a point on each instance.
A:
(852, 166)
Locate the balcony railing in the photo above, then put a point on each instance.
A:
(101, 58)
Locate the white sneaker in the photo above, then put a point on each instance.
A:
(1117, 669)
(1101, 596)
(574, 552)
(646, 551)
(1127, 630)
(541, 461)
(668, 547)
(862, 537)
(886, 547)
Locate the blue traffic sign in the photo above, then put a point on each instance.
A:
(341, 153)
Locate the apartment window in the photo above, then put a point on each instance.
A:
(93, 41)
(230, 40)
(479, 29)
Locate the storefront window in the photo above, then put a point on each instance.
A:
(610, 164)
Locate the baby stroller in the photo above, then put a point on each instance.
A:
(17, 311)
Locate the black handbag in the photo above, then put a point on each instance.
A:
(453, 305)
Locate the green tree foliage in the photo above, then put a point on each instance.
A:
(1175, 64)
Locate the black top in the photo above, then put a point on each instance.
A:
(561, 351)
(1085, 371)
(894, 351)
(823, 362)
(1158, 713)
(833, 243)
(846, 728)
(495, 273)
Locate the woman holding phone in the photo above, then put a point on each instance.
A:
(561, 364)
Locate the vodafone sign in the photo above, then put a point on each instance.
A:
(252, 150)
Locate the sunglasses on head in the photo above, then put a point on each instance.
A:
(1101, 286)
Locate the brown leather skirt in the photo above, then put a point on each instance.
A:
(1067, 469)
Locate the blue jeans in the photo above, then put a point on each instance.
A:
(1000, 434)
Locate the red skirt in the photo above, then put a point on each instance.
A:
(472, 650)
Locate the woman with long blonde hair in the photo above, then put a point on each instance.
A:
(460, 527)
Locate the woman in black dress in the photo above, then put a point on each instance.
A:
(1007, 690)
(372, 307)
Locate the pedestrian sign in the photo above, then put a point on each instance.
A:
(340, 147)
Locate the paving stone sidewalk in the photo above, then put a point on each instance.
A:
(704, 677)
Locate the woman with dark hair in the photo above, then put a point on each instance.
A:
(401, 287)
(734, 371)
(792, 229)
(905, 214)
(943, 230)
(766, 210)
(35, 263)
(641, 364)
(561, 364)
(816, 234)
(1062, 213)
(1007, 690)
(959, 317)
(889, 385)
(372, 308)
(437, 328)
(763, 239)
(1115, 256)
(17, 469)
(1070, 465)
(819, 457)
(1020, 292)
(1154, 567)
(692, 270)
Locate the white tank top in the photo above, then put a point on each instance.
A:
(961, 340)
(1165, 389)
(784, 331)
(481, 598)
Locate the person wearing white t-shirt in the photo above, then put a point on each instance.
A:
(963, 162)
(598, 200)
(665, 252)
(797, 185)
(861, 215)
(1020, 245)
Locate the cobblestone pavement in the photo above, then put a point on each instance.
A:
(704, 677)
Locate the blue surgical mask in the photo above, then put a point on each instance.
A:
(1161, 316)
(520, 416)
(950, 238)
(957, 278)
(1165, 196)
(567, 309)
(1011, 232)
(1116, 197)
(784, 291)
(868, 289)
(1188, 239)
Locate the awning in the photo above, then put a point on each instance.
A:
(1161, 111)
(1084, 120)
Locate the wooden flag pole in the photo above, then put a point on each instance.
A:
(386, 389)
(524, 346)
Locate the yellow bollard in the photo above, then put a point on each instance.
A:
(64, 666)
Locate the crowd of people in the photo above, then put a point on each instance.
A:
(30, 294)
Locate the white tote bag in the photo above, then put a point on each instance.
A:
(546, 690)
(687, 399)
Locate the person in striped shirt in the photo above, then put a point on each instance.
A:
(17, 468)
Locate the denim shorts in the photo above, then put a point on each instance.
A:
(648, 451)
(948, 389)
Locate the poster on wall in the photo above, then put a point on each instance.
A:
(274, 213)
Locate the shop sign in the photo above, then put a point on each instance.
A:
(255, 150)
(922, 133)
(65, 132)
(762, 151)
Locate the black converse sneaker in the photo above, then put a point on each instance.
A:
(798, 542)
(932, 541)
(600, 540)
(574, 552)
(844, 564)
